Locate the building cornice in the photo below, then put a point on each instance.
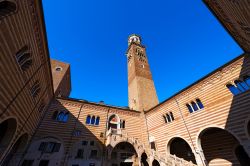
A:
(97, 104)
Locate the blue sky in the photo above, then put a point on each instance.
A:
(184, 42)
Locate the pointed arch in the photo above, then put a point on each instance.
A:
(92, 120)
(65, 117)
(194, 105)
(199, 103)
(97, 121)
(88, 119)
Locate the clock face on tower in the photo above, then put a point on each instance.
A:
(140, 54)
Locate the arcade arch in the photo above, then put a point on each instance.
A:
(8, 129)
(179, 147)
(124, 154)
(15, 154)
(221, 147)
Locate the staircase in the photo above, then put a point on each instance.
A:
(115, 136)
(170, 160)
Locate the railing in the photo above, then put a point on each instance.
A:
(172, 160)
(113, 132)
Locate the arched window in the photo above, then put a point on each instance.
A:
(165, 119)
(7, 8)
(93, 120)
(123, 124)
(200, 105)
(190, 109)
(88, 119)
(247, 80)
(97, 121)
(194, 106)
(242, 86)
(114, 122)
(54, 116)
(60, 116)
(23, 58)
(233, 89)
(65, 117)
(35, 89)
(172, 116)
(168, 118)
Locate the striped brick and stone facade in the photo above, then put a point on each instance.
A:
(26, 81)
(206, 123)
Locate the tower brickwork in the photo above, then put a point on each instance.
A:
(141, 89)
(61, 78)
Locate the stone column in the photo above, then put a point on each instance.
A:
(200, 158)
(246, 146)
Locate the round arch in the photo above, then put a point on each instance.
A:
(114, 122)
(202, 130)
(15, 154)
(8, 129)
(181, 148)
(138, 150)
(168, 142)
(220, 146)
(124, 154)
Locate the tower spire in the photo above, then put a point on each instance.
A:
(141, 89)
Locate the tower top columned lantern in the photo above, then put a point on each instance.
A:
(134, 38)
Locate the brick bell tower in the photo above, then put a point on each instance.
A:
(141, 90)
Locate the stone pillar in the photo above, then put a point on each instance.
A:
(246, 146)
(200, 158)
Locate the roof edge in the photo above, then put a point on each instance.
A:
(199, 80)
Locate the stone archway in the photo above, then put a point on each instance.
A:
(16, 152)
(124, 154)
(179, 147)
(220, 147)
(8, 130)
